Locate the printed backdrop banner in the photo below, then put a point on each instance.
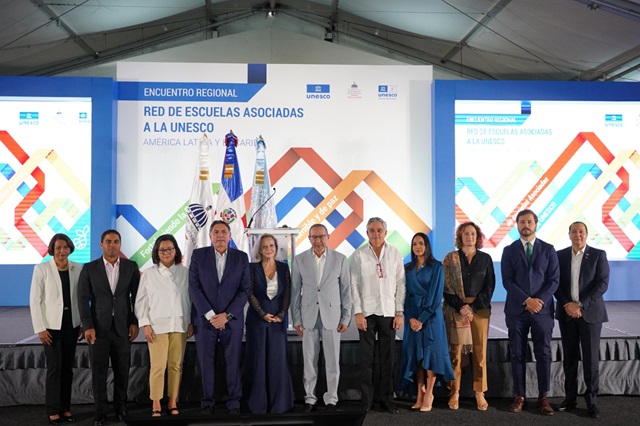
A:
(345, 142)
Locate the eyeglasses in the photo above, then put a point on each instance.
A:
(169, 250)
(317, 237)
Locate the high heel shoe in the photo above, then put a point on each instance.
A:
(425, 408)
(481, 402)
(454, 402)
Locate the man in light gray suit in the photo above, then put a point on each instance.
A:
(321, 306)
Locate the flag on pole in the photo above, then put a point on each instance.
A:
(200, 208)
(230, 207)
(263, 208)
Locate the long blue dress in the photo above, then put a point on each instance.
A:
(428, 346)
(266, 380)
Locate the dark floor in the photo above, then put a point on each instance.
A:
(616, 410)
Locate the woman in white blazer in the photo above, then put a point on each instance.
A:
(56, 320)
(163, 308)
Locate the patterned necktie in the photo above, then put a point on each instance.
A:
(528, 253)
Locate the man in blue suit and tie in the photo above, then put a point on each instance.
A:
(530, 275)
(218, 285)
(584, 278)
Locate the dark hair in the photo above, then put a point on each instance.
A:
(62, 237)
(319, 225)
(460, 230)
(155, 258)
(110, 231)
(579, 222)
(524, 212)
(218, 222)
(428, 254)
(258, 247)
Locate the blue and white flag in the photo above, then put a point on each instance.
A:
(230, 207)
(200, 208)
(263, 208)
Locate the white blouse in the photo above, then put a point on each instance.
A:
(163, 299)
(272, 286)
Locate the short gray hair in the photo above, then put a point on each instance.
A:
(377, 219)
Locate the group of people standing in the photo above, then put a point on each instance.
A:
(323, 292)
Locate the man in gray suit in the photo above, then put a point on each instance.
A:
(320, 306)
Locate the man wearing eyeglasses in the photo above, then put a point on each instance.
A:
(378, 287)
(219, 287)
(320, 307)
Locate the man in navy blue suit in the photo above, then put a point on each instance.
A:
(218, 285)
(530, 275)
(584, 278)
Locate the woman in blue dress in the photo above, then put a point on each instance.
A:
(425, 354)
(267, 383)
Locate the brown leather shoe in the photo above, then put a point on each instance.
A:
(544, 407)
(517, 404)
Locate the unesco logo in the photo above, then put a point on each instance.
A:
(386, 91)
(318, 91)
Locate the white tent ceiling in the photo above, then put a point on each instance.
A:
(477, 39)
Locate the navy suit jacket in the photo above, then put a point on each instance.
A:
(592, 284)
(228, 295)
(99, 306)
(260, 302)
(521, 282)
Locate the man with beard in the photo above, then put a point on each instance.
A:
(530, 275)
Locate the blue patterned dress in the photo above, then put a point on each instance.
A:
(428, 346)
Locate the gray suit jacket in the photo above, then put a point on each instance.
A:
(331, 299)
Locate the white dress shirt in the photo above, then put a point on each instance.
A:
(113, 273)
(221, 263)
(377, 283)
(576, 261)
(163, 299)
(320, 262)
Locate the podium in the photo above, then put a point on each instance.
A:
(286, 242)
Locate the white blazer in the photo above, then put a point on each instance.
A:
(46, 301)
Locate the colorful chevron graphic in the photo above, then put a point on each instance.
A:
(562, 194)
(324, 206)
(39, 210)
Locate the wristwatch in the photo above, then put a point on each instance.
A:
(230, 316)
(400, 314)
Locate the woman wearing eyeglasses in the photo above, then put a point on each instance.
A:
(163, 308)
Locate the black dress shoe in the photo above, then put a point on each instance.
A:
(594, 413)
(234, 411)
(54, 422)
(69, 418)
(366, 407)
(390, 408)
(566, 406)
(331, 408)
(122, 416)
(308, 408)
(208, 410)
(99, 420)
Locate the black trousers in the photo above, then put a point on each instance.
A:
(383, 327)
(60, 357)
(117, 348)
(576, 334)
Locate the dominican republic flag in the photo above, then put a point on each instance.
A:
(263, 212)
(200, 208)
(230, 207)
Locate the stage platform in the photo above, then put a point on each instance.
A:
(22, 361)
